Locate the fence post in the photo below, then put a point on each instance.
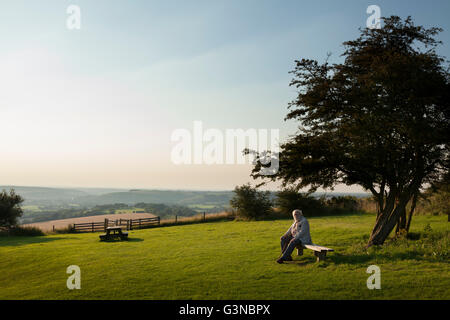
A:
(159, 221)
(92, 227)
(106, 223)
(139, 223)
(176, 218)
(131, 224)
(204, 216)
(53, 228)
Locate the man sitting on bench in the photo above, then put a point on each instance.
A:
(297, 234)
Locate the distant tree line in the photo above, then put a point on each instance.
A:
(249, 203)
(166, 211)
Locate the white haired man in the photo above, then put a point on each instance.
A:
(297, 234)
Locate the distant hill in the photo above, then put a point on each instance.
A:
(92, 197)
(159, 196)
(46, 196)
(89, 197)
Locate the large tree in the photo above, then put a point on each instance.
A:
(380, 119)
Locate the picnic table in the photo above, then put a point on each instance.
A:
(114, 233)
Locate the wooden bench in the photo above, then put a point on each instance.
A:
(319, 251)
(114, 233)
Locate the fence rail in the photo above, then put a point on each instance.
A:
(130, 224)
(90, 227)
(143, 223)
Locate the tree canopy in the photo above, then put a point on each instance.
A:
(380, 119)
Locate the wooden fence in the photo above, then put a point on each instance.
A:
(142, 223)
(133, 224)
(130, 224)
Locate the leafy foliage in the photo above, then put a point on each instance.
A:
(346, 203)
(290, 199)
(250, 203)
(10, 209)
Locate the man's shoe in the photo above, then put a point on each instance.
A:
(280, 260)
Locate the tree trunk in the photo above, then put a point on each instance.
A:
(387, 220)
(401, 224)
(413, 207)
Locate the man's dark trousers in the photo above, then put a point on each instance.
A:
(288, 244)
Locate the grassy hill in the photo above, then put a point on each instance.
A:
(229, 260)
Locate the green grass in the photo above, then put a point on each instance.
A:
(229, 260)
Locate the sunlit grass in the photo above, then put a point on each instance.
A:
(230, 260)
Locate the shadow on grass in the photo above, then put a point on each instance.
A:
(12, 241)
(363, 259)
(338, 258)
(304, 261)
(307, 261)
(119, 240)
(357, 259)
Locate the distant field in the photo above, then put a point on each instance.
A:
(63, 223)
(230, 260)
(31, 208)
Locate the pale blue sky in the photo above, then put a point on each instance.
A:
(96, 107)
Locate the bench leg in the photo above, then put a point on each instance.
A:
(320, 255)
(299, 251)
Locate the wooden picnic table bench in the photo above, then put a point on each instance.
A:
(114, 233)
(319, 251)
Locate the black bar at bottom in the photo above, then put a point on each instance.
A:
(227, 309)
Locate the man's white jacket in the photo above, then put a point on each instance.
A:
(299, 230)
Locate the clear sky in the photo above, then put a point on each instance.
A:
(96, 107)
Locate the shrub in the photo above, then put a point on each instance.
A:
(345, 203)
(435, 203)
(19, 231)
(367, 204)
(250, 204)
(290, 199)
